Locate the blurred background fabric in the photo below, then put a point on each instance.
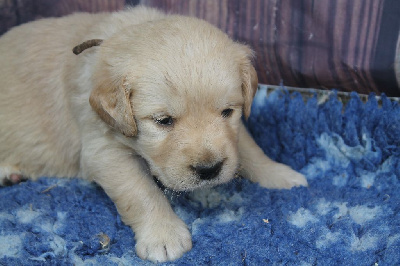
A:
(346, 45)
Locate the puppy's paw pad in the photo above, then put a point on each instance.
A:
(10, 176)
(13, 179)
(163, 242)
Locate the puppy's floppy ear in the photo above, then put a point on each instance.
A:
(249, 81)
(112, 102)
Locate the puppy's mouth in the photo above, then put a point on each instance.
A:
(197, 176)
(192, 183)
(181, 187)
(159, 183)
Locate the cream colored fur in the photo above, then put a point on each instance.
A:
(149, 67)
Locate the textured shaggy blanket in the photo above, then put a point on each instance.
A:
(349, 214)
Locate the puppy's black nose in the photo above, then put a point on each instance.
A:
(207, 172)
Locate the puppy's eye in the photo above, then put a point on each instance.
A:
(226, 113)
(165, 121)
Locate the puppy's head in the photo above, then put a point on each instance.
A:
(177, 88)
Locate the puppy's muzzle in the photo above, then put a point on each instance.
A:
(206, 172)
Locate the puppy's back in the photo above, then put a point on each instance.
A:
(39, 75)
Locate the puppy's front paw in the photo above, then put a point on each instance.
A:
(160, 241)
(280, 176)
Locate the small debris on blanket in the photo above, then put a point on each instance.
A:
(49, 188)
(104, 241)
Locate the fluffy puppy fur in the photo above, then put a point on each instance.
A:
(160, 95)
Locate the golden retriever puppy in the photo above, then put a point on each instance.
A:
(147, 94)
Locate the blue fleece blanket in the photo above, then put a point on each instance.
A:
(349, 215)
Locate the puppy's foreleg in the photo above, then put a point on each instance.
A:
(160, 235)
(257, 167)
